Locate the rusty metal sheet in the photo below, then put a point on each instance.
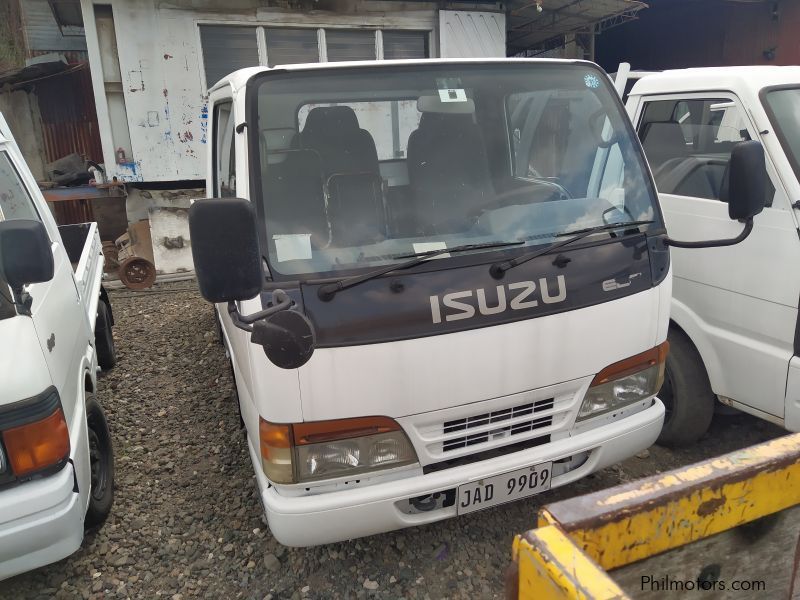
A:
(68, 115)
(83, 192)
(639, 519)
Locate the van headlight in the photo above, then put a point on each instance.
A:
(301, 452)
(625, 382)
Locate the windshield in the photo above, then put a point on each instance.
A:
(783, 107)
(361, 167)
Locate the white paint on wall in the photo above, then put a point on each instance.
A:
(161, 68)
(172, 249)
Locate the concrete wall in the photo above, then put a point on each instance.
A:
(22, 114)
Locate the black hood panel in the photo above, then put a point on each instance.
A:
(406, 305)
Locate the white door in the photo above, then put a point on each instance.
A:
(56, 310)
(738, 304)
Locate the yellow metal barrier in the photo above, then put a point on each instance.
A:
(578, 540)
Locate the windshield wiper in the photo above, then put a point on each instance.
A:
(497, 270)
(329, 290)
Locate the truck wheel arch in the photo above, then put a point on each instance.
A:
(687, 322)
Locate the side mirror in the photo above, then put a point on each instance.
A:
(743, 190)
(227, 259)
(747, 180)
(25, 254)
(287, 338)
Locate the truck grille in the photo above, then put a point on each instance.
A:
(499, 417)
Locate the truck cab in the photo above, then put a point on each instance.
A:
(56, 462)
(443, 285)
(734, 317)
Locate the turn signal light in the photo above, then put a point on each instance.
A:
(318, 450)
(634, 364)
(38, 445)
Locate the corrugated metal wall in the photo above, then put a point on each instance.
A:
(69, 120)
(42, 33)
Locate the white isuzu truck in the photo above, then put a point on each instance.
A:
(734, 333)
(443, 284)
(56, 461)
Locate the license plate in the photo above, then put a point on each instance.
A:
(507, 487)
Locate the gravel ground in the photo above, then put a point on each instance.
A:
(187, 521)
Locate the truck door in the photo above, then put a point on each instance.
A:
(738, 304)
(224, 148)
(56, 311)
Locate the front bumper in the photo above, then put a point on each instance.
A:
(40, 522)
(341, 515)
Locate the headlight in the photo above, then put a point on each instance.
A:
(328, 449)
(625, 382)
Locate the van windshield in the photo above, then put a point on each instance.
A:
(360, 167)
(783, 107)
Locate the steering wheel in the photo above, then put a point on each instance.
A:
(520, 196)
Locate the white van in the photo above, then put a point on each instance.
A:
(734, 332)
(56, 458)
(443, 285)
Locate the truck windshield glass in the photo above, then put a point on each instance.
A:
(360, 167)
(783, 107)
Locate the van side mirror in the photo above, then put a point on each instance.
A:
(227, 259)
(743, 190)
(25, 254)
(747, 179)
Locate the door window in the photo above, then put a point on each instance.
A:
(688, 143)
(224, 151)
(15, 202)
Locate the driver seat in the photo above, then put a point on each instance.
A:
(448, 169)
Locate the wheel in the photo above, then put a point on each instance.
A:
(101, 459)
(686, 394)
(137, 273)
(103, 338)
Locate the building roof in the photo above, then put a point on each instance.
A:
(528, 26)
(715, 78)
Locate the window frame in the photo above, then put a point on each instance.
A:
(215, 141)
(747, 118)
(23, 185)
(793, 161)
(261, 37)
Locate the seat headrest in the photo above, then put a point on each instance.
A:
(664, 138)
(331, 121)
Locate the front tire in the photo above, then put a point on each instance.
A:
(103, 338)
(686, 394)
(101, 460)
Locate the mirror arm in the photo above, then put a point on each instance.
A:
(748, 227)
(245, 322)
(22, 300)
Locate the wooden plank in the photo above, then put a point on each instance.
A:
(552, 567)
(634, 521)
